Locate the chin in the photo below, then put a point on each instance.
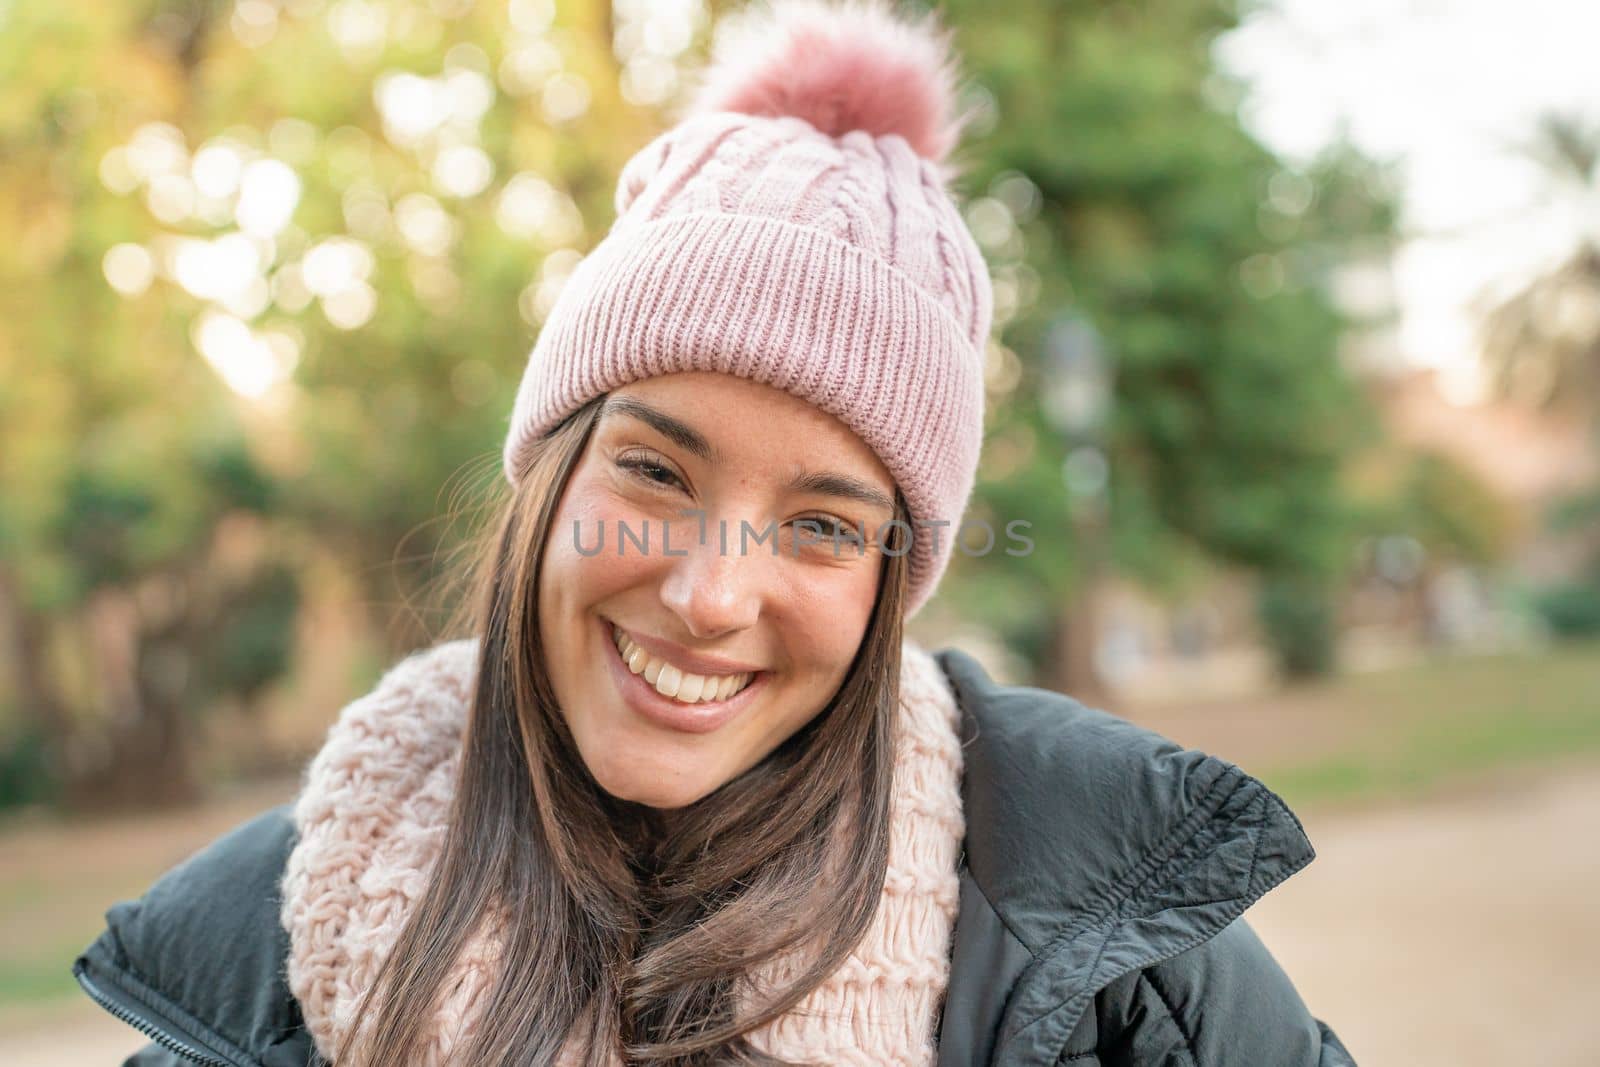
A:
(652, 796)
(652, 786)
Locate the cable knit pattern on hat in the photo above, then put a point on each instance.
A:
(796, 229)
(371, 819)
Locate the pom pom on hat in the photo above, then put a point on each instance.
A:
(840, 66)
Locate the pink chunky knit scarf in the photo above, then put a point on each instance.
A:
(371, 818)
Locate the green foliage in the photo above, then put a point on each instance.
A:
(1427, 495)
(253, 643)
(100, 525)
(1297, 622)
(27, 766)
(1204, 263)
(129, 442)
(1571, 610)
(1451, 510)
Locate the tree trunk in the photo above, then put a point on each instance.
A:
(144, 753)
(39, 699)
(1072, 669)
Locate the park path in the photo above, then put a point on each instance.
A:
(1457, 931)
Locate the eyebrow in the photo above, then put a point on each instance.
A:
(687, 437)
(679, 433)
(840, 485)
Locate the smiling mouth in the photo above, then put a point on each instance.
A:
(674, 683)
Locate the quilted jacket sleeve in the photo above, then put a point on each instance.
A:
(1224, 1003)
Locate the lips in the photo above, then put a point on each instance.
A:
(644, 699)
(673, 681)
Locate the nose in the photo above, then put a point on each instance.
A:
(712, 589)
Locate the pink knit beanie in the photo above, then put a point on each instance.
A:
(796, 229)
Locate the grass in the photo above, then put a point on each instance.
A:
(1445, 721)
(47, 923)
(39, 973)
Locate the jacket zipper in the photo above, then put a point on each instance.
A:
(144, 1025)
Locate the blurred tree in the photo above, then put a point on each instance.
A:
(1422, 516)
(447, 159)
(1541, 343)
(270, 258)
(119, 462)
(1113, 177)
(1452, 512)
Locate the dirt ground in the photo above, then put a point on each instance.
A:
(1458, 931)
(1461, 930)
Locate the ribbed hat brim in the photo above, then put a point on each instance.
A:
(786, 305)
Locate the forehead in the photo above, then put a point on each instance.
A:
(691, 390)
(750, 423)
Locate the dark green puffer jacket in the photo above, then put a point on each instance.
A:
(1104, 876)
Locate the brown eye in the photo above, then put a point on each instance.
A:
(648, 471)
(829, 528)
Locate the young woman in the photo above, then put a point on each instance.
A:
(684, 793)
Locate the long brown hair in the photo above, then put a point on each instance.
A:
(631, 928)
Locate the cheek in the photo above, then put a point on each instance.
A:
(825, 616)
(824, 619)
(581, 558)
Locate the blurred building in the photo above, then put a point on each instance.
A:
(1530, 458)
(1401, 602)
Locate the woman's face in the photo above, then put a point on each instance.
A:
(754, 617)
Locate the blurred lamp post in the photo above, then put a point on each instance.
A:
(1077, 393)
(1077, 399)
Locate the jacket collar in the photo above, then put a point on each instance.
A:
(1094, 847)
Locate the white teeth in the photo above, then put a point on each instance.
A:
(673, 682)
